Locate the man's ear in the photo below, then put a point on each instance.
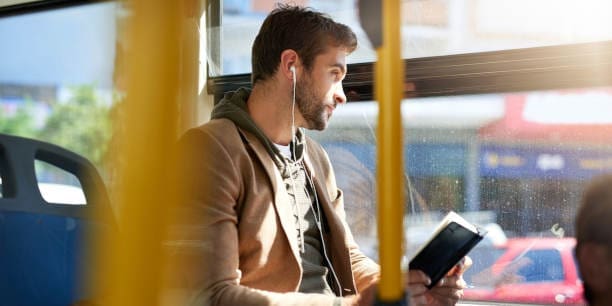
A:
(289, 58)
(593, 261)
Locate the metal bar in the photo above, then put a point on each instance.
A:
(133, 259)
(389, 91)
(13, 8)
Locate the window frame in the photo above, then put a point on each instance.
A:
(529, 69)
(29, 7)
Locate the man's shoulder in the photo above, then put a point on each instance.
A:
(216, 124)
(216, 130)
(220, 127)
(313, 146)
(317, 154)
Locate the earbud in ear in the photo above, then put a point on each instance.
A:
(292, 68)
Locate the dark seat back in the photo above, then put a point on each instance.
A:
(44, 251)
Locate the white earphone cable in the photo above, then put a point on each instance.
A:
(318, 221)
(317, 212)
(293, 112)
(293, 157)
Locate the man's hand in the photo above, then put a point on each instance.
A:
(446, 292)
(417, 287)
(364, 298)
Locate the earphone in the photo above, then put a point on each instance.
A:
(294, 78)
(292, 69)
(316, 213)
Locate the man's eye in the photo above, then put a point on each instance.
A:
(337, 74)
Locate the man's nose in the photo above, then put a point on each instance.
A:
(339, 96)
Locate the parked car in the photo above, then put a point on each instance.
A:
(526, 270)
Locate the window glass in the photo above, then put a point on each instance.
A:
(230, 46)
(429, 27)
(542, 266)
(65, 189)
(513, 163)
(442, 27)
(56, 77)
(483, 258)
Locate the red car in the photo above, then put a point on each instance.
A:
(526, 270)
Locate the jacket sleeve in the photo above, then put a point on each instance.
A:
(365, 270)
(203, 240)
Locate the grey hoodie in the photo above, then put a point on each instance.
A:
(233, 107)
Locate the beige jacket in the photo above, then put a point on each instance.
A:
(237, 239)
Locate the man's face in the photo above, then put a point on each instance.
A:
(319, 90)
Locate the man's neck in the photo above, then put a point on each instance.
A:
(270, 108)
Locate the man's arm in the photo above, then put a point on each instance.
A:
(366, 272)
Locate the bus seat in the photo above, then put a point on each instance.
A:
(44, 256)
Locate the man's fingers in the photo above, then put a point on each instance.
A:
(419, 299)
(416, 286)
(467, 263)
(463, 264)
(453, 282)
(415, 290)
(418, 277)
(445, 293)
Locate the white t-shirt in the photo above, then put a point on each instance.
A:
(285, 150)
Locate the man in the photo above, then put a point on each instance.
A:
(594, 241)
(270, 228)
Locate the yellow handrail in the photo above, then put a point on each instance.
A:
(388, 91)
(132, 262)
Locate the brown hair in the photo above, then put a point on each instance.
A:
(593, 219)
(303, 30)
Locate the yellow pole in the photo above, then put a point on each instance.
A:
(388, 90)
(132, 261)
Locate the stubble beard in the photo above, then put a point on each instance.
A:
(310, 105)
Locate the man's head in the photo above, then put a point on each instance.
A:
(304, 51)
(307, 32)
(594, 240)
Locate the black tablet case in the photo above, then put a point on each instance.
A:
(444, 251)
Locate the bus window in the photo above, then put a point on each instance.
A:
(56, 77)
(518, 161)
(509, 146)
(504, 121)
(429, 27)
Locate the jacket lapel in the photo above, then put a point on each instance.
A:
(281, 198)
(336, 236)
(334, 223)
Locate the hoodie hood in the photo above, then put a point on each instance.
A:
(233, 106)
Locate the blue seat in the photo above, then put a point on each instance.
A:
(45, 255)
